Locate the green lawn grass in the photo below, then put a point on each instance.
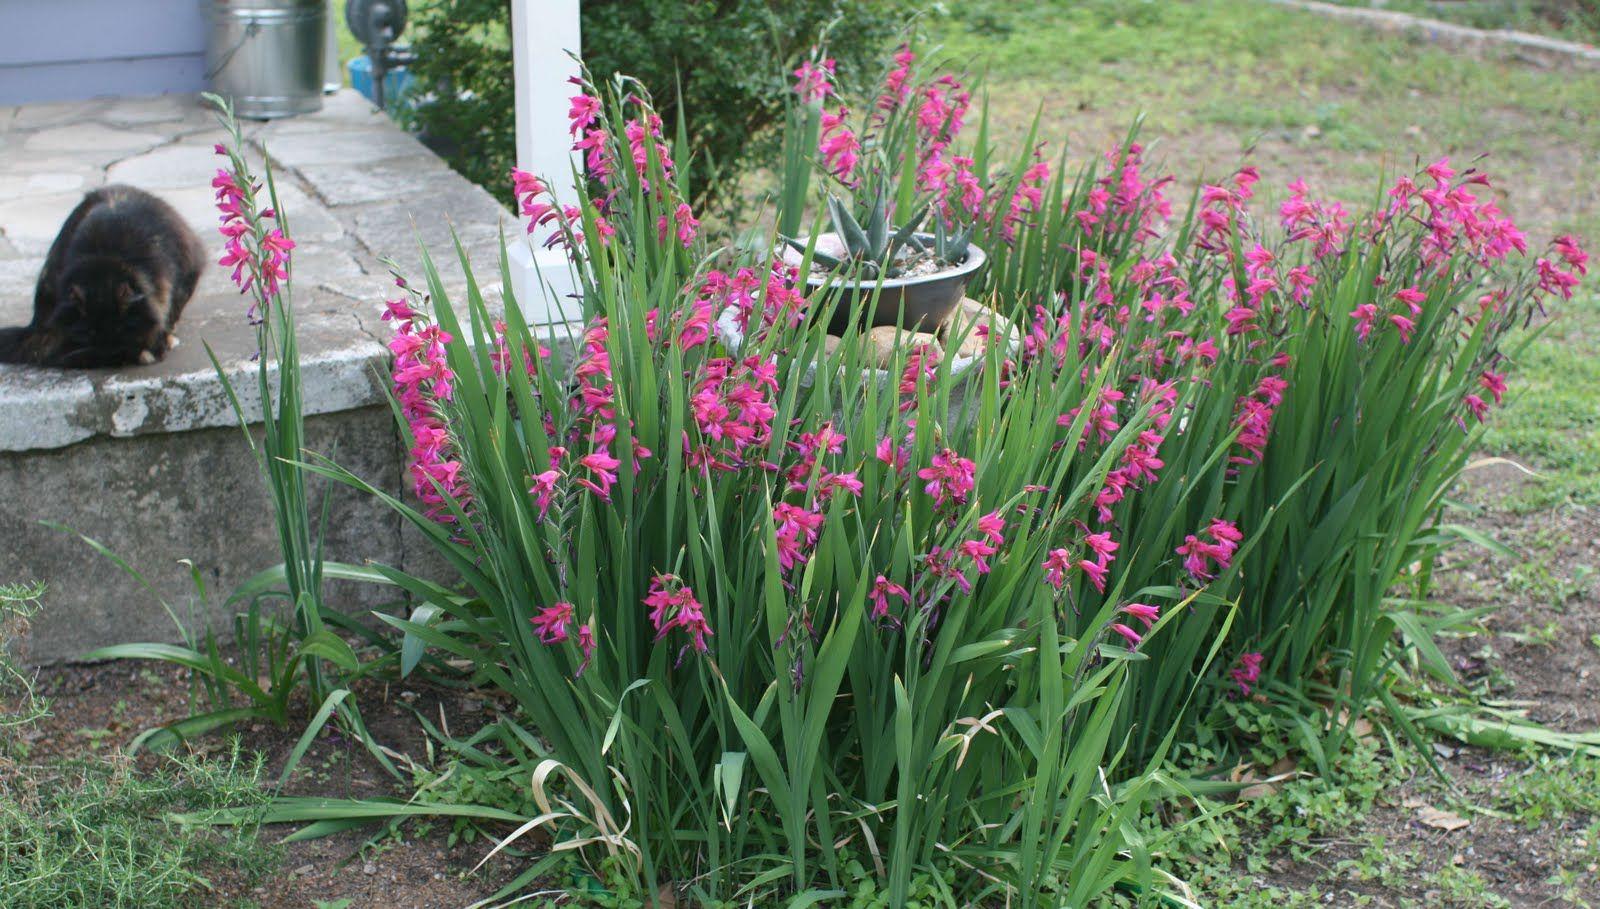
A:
(1295, 92)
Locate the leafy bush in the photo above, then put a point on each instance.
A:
(777, 610)
(755, 610)
(730, 56)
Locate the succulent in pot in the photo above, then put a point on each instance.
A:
(890, 274)
(905, 199)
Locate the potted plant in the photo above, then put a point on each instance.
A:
(911, 278)
(904, 204)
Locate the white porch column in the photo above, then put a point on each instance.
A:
(543, 32)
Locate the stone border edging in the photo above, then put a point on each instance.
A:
(1452, 35)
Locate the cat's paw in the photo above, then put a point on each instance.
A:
(172, 341)
(146, 358)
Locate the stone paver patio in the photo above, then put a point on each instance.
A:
(350, 185)
(144, 458)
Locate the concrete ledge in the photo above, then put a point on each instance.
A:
(1537, 48)
(155, 499)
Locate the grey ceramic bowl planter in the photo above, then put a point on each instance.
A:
(927, 300)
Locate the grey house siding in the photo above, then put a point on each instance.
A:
(60, 50)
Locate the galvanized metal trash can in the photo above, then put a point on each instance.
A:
(267, 55)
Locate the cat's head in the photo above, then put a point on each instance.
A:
(107, 312)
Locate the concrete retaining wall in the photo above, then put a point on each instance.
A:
(149, 459)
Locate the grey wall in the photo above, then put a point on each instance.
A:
(59, 50)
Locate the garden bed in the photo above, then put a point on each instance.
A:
(1530, 838)
(1372, 824)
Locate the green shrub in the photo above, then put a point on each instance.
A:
(776, 611)
(754, 609)
(732, 57)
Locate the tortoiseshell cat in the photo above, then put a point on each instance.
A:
(113, 285)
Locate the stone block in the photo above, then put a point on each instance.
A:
(345, 146)
(103, 142)
(155, 499)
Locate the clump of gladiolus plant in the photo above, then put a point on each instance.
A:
(905, 141)
(769, 633)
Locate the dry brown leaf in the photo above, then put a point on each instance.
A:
(1258, 791)
(1441, 820)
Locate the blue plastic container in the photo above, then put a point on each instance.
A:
(396, 82)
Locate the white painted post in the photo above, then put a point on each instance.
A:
(543, 35)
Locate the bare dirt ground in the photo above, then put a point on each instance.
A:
(1525, 827)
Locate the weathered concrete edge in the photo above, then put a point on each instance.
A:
(1451, 33)
(56, 410)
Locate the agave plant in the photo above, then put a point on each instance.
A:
(873, 246)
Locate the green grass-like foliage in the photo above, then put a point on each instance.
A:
(776, 612)
(98, 834)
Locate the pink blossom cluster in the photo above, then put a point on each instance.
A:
(1027, 199)
(813, 80)
(1095, 562)
(732, 411)
(1253, 417)
(423, 380)
(839, 147)
(1246, 672)
(1204, 558)
(897, 84)
(1123, 195)
(672, 605)
(951, 478)
(1141, 612)
(258, 254)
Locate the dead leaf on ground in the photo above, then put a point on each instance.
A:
(1441, 820)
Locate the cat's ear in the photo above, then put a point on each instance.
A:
(127, 295)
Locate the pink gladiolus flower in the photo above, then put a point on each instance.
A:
(978, 551)
(950, 478)
(1494, 383)
(1405, 326)
(582, 110)
(838, 146)
(1056, 565)
(895, 89)
(813, 80)
(1132, 636)
(1199, 554)
(688, 224)
(1364, 314)
(1247, 672)
(882, 590)
(603, 468)
(672, 605)
(1412, 298)
(991, 525)
(1144, 612)
(586, 646)
(1571, 251)
(1102, 546)
(543, 490)
(1477, 407)
(1096, 573)
(551, 622)
(797, 531)
(896, 456)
